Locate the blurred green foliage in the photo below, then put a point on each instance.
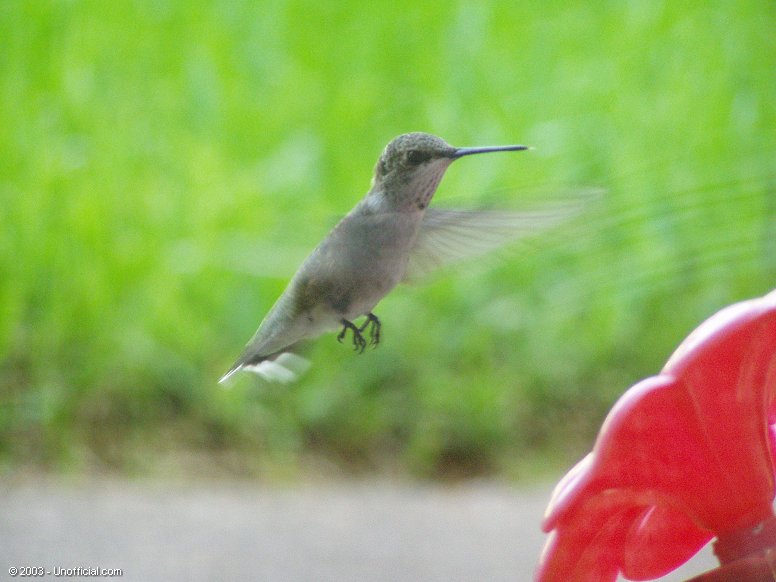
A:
(166, 165)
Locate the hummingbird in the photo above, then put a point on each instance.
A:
(390, 236)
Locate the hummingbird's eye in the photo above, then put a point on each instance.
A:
(417, 157)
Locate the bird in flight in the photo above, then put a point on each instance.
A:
(389, 237)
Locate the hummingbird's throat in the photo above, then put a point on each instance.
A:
(426, 186)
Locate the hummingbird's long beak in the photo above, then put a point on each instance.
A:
(460, 152)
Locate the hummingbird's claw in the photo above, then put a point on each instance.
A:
(374, 329)
(359, 343)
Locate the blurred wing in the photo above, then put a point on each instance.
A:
(448, 236)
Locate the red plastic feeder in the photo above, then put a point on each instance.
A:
(683, 457)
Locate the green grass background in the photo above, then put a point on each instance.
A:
(166, 165)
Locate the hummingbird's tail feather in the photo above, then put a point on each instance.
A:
(284, 367)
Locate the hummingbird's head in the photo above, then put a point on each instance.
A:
(411, 166)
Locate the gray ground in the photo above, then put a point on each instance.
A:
(366, 531)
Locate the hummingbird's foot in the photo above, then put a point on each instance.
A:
(374, 329)
(359, 343)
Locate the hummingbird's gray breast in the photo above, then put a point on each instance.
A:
(361, 260)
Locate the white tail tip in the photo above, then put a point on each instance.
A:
(286, 368)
